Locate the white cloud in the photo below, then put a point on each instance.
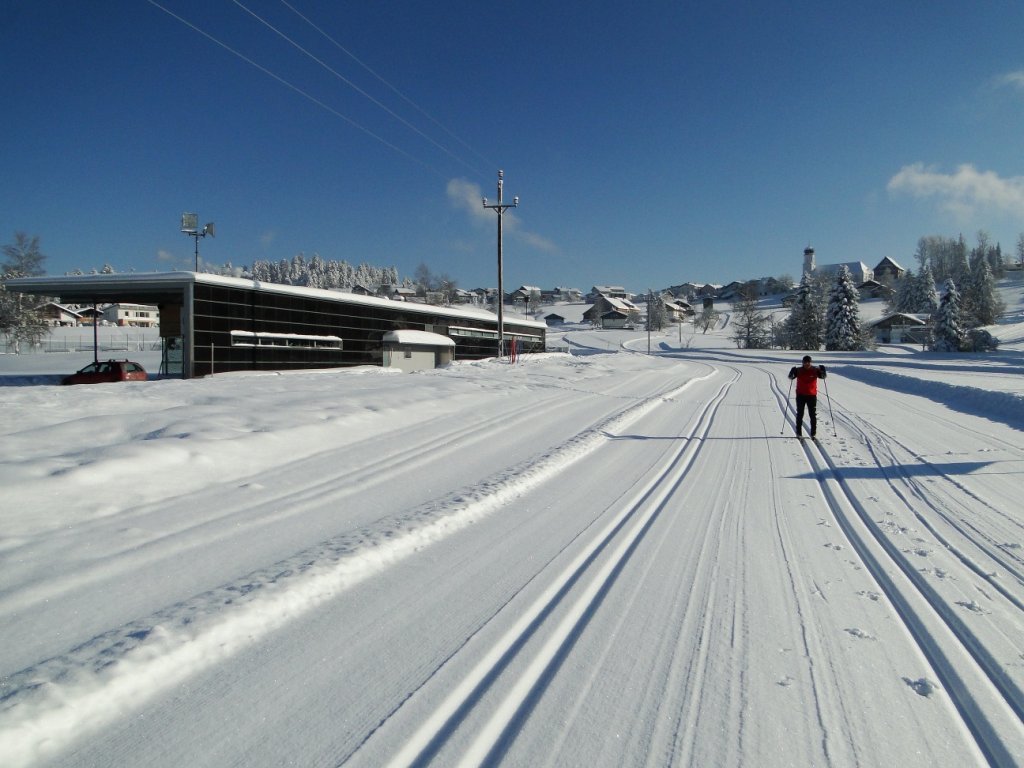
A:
(1011, 80)
(162, 255)
(963, 193)
(468, 197)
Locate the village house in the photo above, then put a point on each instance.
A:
(604, 305)
(608, 292)
(888, 271)
(54, 314)
(899, 328)
(134, 315)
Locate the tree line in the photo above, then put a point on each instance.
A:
(821, 314)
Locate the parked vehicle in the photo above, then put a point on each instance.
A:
(106, 371)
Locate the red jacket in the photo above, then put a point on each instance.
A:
(807, 378)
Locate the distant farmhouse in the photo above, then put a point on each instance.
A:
(888, 271)
(561, 294)
(617, 311)
(524, 294)
(607, 292)
(54, 314)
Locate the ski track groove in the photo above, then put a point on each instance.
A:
(802, 598)
(937, 631)
(55, 702)
(288, 502)
(621, 535)
(956, 522)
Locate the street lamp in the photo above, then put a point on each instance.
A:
(500, 208)
(190, 226)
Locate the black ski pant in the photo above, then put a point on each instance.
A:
(810, 402)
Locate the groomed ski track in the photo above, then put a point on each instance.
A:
(672, 582)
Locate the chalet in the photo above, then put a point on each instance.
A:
(568, 295)
(682, 309)
(872, 289)
(772, 286)
(888, 271)
(675, 310)
(554, 319)
(55, 314)
(401, 293)
(614, 318)
(685, 290)
(731, 291)
(524, 294)
(603, 304)
(607, 292)
(898, 328)
(88, 315)
(362, 290)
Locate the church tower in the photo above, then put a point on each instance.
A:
(809, 265)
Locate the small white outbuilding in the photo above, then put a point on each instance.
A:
(417, 350)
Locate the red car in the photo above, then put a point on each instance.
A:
(107, 370)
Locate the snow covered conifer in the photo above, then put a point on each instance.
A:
(948, 333)
(981, 302)
(927, 298)
(804, 326)
(842, 330)
(902, 298)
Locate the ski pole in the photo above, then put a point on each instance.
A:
(834, 433)
(786, 410)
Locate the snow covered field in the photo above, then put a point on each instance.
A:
(605, 558)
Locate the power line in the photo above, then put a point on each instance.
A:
(349, 83)
(298, 90)
(401, 95)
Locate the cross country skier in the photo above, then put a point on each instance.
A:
(807, 376)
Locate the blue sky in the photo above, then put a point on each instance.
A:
(649, 145)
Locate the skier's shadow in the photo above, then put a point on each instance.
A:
(910, 470)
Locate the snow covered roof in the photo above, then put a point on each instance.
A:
(166, 286)
(895, 318)
(886, 260)
(855, 267)
(418, 338)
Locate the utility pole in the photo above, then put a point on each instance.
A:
(500, 209)
(649, 308)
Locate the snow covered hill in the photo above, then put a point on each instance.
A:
(606, 558)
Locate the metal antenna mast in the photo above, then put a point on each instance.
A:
(190, 226)
(500, 207)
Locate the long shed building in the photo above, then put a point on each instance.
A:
(212, 324)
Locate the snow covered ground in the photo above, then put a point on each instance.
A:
(599, 558)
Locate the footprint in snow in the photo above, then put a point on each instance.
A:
(860, 634)
(836, 547)
(869, 595)
(971, 606)
(786, 682)
(922, 686)
(919, 551)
